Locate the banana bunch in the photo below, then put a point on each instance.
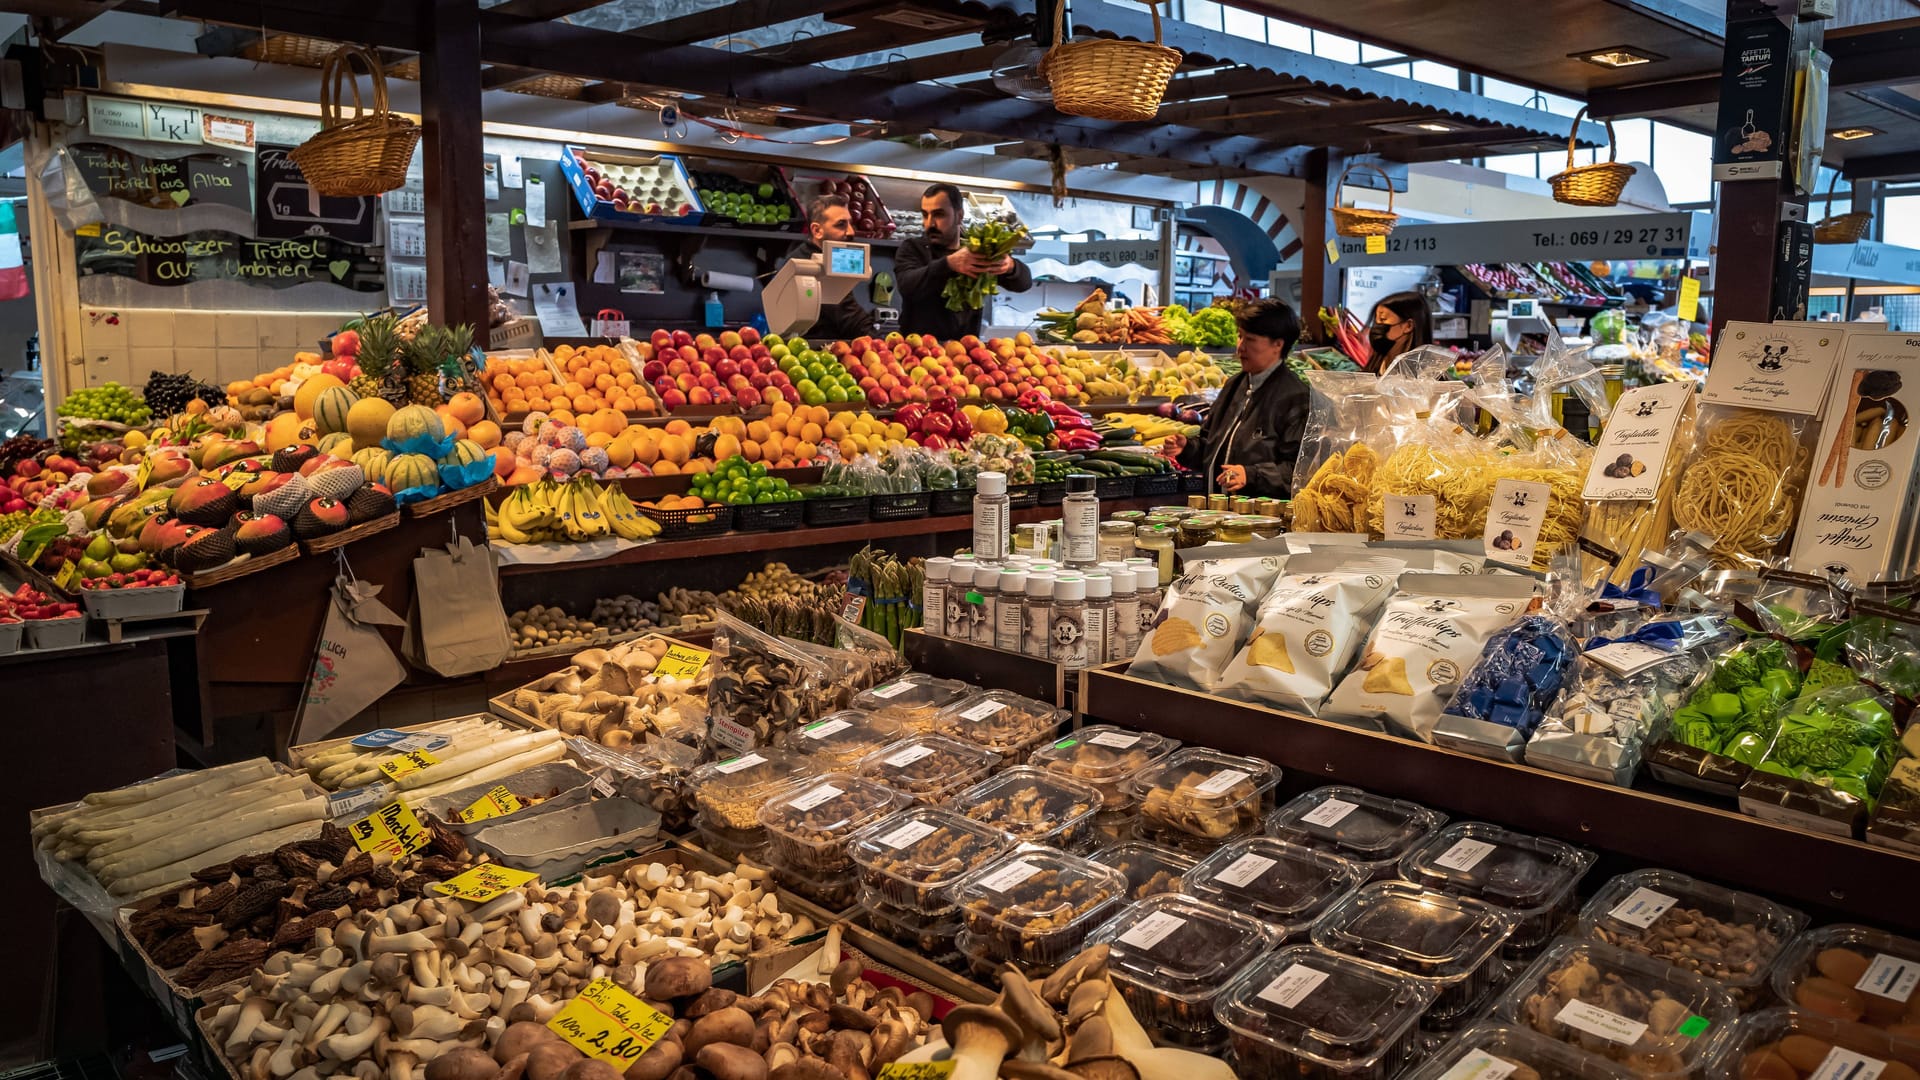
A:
(576, 510)
(1150, 429)
(627, 520)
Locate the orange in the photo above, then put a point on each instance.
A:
(663, 467)
(486, 433)
(750, 450)
(805, 451)
(697, 465)
(679, 427)
(810, 432)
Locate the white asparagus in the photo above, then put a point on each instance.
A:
(98, 832)
(182, 870)
(92, 816)
(195, 841)
(497, 771)
(149, 789)
(467, 761)
(193, 818)
(345, 748)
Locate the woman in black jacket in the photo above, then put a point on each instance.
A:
(1250, 439)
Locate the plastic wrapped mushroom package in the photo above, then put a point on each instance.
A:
(1491, 1049)
(1370, 831)
(930, 768)
(1198, 797)
(1451, 941)
(1107, 757)
(1034, 906)
(839, 740)
(1171, 955)
(913, 859)
(809, 826)
(1304, 1013)
(1854, 973)
(730, 792)
(1283, 885)
(1149, 868)
(1035, 805)
(912, 700)
(1531, 876)
(1003, 722)
(1731, 937)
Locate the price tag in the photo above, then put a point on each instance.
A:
(1221, 782)
(1292, 986)
(1152, 930)
(1628, 658)
(729, 734)
(890, 691)
(1688, 307)
(681, 662)
(810, 799)
(1009, 875)
(853, 609)
(603, 786)
(484, 882)
(1119, 740)
(357, 801)
(917, 1070)
(983, 710)
(1843, 1064)
(1890, 977)
(606, 1023)
(1244, 869)
(68, 572)
(407, 764)
(909, 834)
(497, 802)
(1376, 245)
(399, 741)
(747, 761)
(1641, 908)
(1329, 813)
(1464, 855)
(392, 829)
(1595, 1020)
(1333, 251)
(825, 728)
(1479, 1065)
(908, 756)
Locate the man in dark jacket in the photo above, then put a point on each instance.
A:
(1252, 435)
(926, 263)
(829, 219)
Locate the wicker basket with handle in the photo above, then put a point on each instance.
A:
(1598, 184)
(363, 155)
(1360, 221)
(1847, 228)
(1107, 79)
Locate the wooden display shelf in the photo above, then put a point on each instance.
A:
(440, 504)
(348, 535)
(1647, 823)
(241, 567)
(982, 665)
(735, 543)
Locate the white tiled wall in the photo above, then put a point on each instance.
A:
(124, 346)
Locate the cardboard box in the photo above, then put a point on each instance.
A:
(1857, 517)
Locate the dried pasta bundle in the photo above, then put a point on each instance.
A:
(1335, 498)
(1625, 527)
(1742, 486)
(1453, 476)
(1566, 510)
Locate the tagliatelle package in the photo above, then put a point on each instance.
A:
(1307, 628)
(1204, 620)
(1432, 629)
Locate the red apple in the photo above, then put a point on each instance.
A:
(653, 370)
(749, 336)
(672, 398)
(749, 368)
(760, 380)
(747, 396)
(699, 395)
(726, 369)
(682, 339)
(876, 397)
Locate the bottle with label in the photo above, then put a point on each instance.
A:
(1038, 614)
(992, 515)
(1010, 618)
(1123, 640)
(933, 596)
(1150, 586)
(983, 603)
(1116, 541)
(959, 613)
(1067, 631)
(1099, 616)
(1080, 522)
(1155, 544)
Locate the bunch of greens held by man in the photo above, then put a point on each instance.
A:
(990, 242)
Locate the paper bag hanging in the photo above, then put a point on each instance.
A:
(456, 625)
(352, 665)
(612, 324)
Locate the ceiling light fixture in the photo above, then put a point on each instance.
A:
(1618, 56)
(1852, 133)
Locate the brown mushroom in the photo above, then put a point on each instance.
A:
(1033, 1070)
(1035, 1018)
(515, 1067)
(550, 1060)
(678, 977)
(1090, 964)
(660, 1059)
(1087, 1000)
(981, 1038)
(730, 1025)
(1091, 1039)
(726, 1061)
(462, 1063)
(590, 1069)
(846, 1016)
(807, 1068)
(712, 999)
(1105, 1067)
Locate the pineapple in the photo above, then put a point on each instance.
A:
(461, 373)
(378, 347)
(423, 357)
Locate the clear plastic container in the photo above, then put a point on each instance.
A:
(1284, 885)
(1370, 831)
(1205, 793)
(932, 936)
(1172, 955)
(729, 794)
(931, 768)
(1106, 757)
(1732, 937)
(1794, 1044)
(1035, 906)
(911, 859)
(1853, 972)
(1451, 941)
(912, 700)
(1531, 876)
(1490, 1049)
(1303, 1013)
(1003, 722)
(838, 740)
(1642, 1013)
(1034, 805)
(809, 825)
(1149, 868)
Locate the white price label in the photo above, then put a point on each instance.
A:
(745, 761)
(825, 728)
(1009, 875)
(729, 734)
(1152, 930)
(1890, 977)
(1329, 813)
(1479, 1065)
(890, 691)
(356, 803)
(1628, 658)
(1464, 855)
(1292, 986)
(1411, 517)
(810, 799)
(1244, 869)
(982, 711)
(1642, 908)
(1598, 1022)
(1844, 1064)
(1119, 740)
(909, 834)
(603, 786)
(908, 756)
(1221, 782)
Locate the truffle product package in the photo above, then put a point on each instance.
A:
(1857, 518)
(1435, 556)
(1307, 627)
(1518, 675)
(1886, 640)
(1204, 619)
(1830, 756)
(1346, 423)
(1431, 630)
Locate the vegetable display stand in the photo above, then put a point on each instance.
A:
(1192, 482)
(118, 630)
(953, 501)
(901, 505)
(1025, 496)
(758, 518)
(178, 1002)
(1114, 487)
(349, 535)
(11, 635)
(442, 503)
(691, 524)
(848, 511)
(131, 603)
(241, 567)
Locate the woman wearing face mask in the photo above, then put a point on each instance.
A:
(1400, 324)
(1251, 437)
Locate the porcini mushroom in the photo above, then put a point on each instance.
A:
(981, 1038)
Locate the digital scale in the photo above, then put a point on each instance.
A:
(807, 285)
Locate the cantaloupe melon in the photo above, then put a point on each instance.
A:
(412, 470)
(415, 420)
(309, 393)
(331, 409)
(338, 443)
(464, 452)
(367, 421)
(373, 461)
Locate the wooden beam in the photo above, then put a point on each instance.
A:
(944, 65)
(379, 23)
(546, 9)
(1319, 279)
(451, 157)
(734, 18)
(840, 44)
(1883, 167)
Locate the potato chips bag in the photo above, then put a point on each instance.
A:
(1204, 620)
(1307, 628)
(1430, 632)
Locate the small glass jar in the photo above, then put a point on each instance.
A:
(1197, 502)
(1156, 544)
(1267, 507)
(1265, 526)
(1116, 541)
(1197, 532)
(1131, 517)
(1235, 530)
(1010, 617)
(1067, 632)
(1222, 503)
(1037, 614)
(1177, 513)
(983, 603)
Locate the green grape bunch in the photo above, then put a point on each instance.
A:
(110, 401)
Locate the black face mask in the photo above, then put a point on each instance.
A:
(1381, 338)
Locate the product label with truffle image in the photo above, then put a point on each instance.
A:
(609, 1024)
(1890, 977)
(1291, 987)
(1642, 908)
(1600, 1023)
(1631, 456)
(1479, 1065)
(1152, 930)
(1515, 516)
(1844, 1064)
(1774, 367)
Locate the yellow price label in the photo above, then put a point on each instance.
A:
(484, 882)
(88, 230)
(65, 578)
(392, 829)
(1376, 245)
(499, 802)
(1333, 251)
(917, 1070)
(408, 763)
(609, 1024)
(1688, 307)
(681, 662)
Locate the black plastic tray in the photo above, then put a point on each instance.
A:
(1165, 484)
(956, 501)
(849, 510)
(1023, 496)
(765, 518)
(677, 524)
(1191, 482)
(1114, 487)
(1052, 494)
(902, 505)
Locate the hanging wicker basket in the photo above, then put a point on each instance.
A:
(1359, 221)
(367, 154)
(1598, 184)
(1107, 79)
(1848, 228)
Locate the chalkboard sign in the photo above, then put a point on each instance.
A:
(212, 254)
(285, 207)
(164, 183)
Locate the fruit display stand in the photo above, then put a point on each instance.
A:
(335, 541)
(668, 187)
(720, 183)
(440, 504)
(871, 221)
